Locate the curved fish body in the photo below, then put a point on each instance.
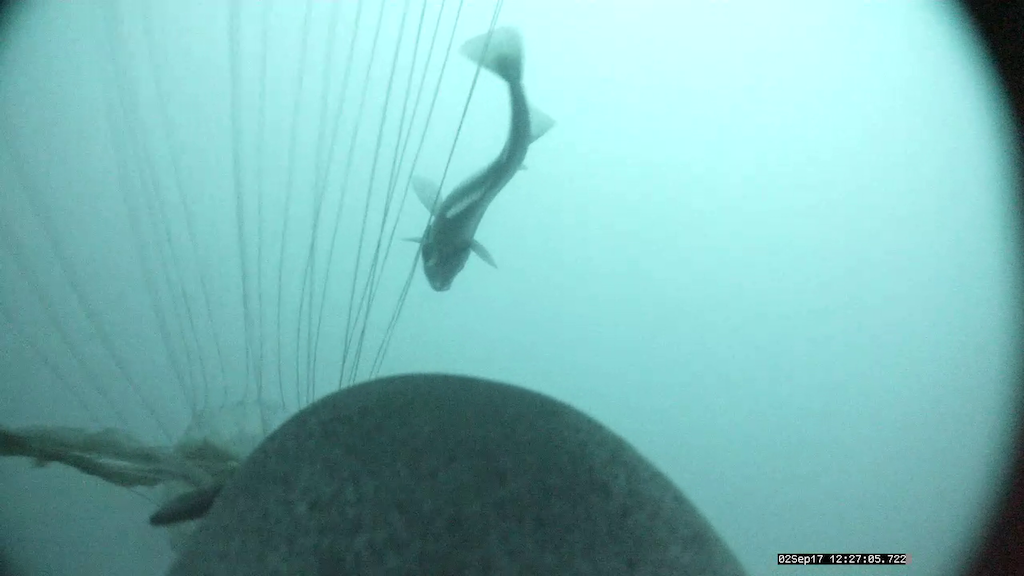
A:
(449, 237)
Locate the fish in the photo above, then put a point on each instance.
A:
(450, 235)
(447, 474)
(188, 506)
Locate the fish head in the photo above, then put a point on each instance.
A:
(442, 263)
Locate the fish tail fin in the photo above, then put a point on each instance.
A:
(500, 51)
(13, 444)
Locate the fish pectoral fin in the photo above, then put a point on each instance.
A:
(482, 252)
(428, 192)
(522, 167)
(417, 240)
(540, 123)
(188, 506)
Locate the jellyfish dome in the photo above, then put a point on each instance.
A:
(443, 474)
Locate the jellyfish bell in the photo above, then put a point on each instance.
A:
(231, 300)
(449, 475)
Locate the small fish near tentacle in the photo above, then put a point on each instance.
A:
(449, 238)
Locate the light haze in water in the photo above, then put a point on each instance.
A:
(772, 246)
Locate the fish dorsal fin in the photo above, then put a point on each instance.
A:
(482, 252)
(540, 123)
(428, 192)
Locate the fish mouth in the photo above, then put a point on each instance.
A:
(439, 282)
(436, 277)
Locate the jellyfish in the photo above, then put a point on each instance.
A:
(198, 211)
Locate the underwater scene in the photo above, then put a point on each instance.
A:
(772, 246)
